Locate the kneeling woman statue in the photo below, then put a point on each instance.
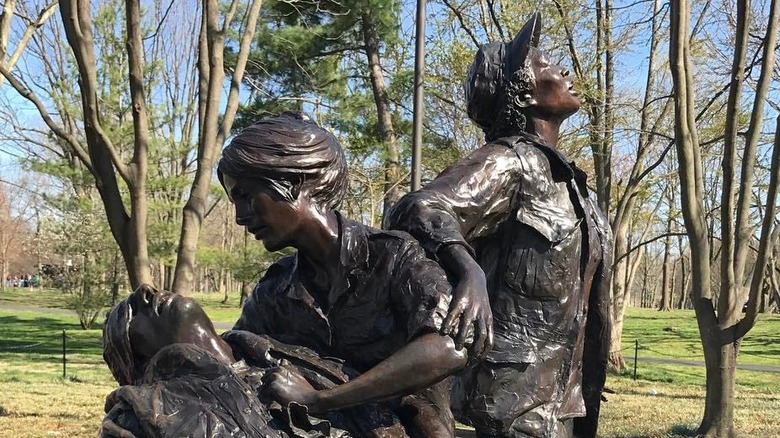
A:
(368, 298)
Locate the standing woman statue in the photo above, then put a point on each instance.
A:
(368, 297)
(514, 223)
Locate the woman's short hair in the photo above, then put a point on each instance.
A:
(291, 153)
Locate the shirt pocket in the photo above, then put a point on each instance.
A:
(540, 268)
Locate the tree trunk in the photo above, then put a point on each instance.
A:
(246, 289)
(616, 361)
(4, 272)
(384, 114)
(683, 284)
(619, 298)
(721, 333)
(672, 285)
(211, 75)
(667, 275)
(721, 361)
(622, 275)
(609, 112)
(211, 69)
(103, 159)
(647, 290)
(168, 277)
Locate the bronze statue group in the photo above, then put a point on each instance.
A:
(484, 301)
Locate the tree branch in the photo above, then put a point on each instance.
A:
(78, 30)
(462, 22)
(58, 130)
(238, 73)
(765, 243)
(492, 11)
(43, 16)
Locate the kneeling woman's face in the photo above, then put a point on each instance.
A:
(264, 213)
(161, 318)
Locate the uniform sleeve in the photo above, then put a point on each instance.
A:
(420, 292)
(466, 201)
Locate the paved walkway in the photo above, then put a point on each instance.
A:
(221, 326)
(671, 361)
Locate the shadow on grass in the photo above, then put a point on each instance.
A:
(60, 415)
(681, 430)
(661, 395)
(43, 335)
(678, 431)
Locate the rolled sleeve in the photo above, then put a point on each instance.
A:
(422, 293)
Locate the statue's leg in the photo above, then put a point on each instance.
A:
(427, 413)
(513, 401)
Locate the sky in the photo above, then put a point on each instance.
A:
(630, 75)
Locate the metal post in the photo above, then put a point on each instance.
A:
(419, 110)
(636, 355)
(63, 354)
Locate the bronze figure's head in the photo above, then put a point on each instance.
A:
(148, 320)
(508, 83)
(280, 173)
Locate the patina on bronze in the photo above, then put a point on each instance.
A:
(515, 224)
(340, 339)
(180, 379)
(365, 296)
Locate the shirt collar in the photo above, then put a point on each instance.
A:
(353, 255)
(558, 161)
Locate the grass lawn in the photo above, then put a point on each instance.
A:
(666, 401)
(52, 298)
(675, 335)
(33, 297)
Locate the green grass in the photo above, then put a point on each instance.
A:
(675, 335)
(51, 298)
(218, 312)
(31, 348)
(35, 401)
(666, 401)
(37, 297)
(670, 410)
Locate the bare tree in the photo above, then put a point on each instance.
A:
(722, 330)
(384, 114)
(668, 271)
(13, 230)
(212, 133)
(6, 17)
(627, 199)
(115, 170)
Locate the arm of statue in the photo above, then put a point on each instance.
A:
(470, 301)
(598, 327)
(466, 201)
(426, 360)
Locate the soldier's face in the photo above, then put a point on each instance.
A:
(553, 89)
(161, 318)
